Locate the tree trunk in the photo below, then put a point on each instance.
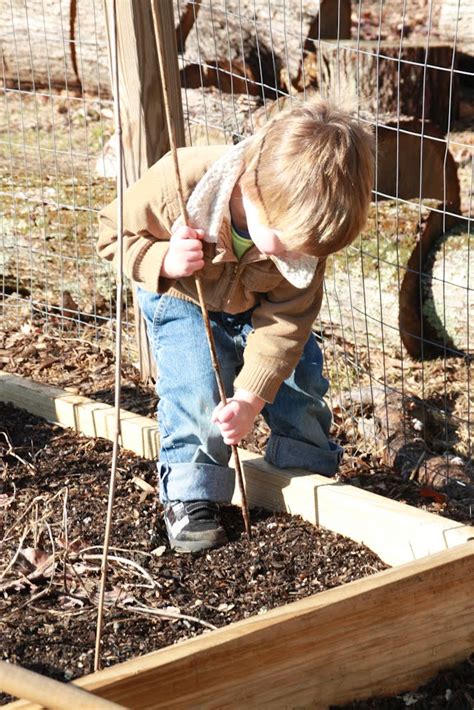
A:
(384, 80)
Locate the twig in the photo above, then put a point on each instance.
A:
(123, 560)
(27, 510)
(11, 452)
(202, 303)
(414, 473)
(150, 611)
(40, 594)
(66, 543)
(35, 525)
(117, 549)
(81, 582)
(52, 556)
(18, 550)
(10, 499)
(74, 612)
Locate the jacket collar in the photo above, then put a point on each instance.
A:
(208, 209)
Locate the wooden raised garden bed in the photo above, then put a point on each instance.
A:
(376, 636)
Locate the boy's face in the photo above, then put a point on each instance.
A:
(264, 237)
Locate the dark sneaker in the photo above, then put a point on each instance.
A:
(194, 525)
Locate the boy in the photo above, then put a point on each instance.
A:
(265, 214)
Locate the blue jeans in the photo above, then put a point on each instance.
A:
(194, 461)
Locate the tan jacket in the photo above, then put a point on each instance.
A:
(283, 314)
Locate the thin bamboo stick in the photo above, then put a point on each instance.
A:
(202, 303)
(118, 336)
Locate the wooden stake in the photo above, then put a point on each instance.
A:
(47, 692)
(202, 303)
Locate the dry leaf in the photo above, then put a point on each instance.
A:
(70, 602)
(34, 555)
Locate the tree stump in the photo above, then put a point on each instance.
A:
(384, 79)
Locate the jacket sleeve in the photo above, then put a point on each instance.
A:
(282, 324)
(147, 220)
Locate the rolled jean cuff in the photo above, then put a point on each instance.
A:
(285, 452)
(196, 481)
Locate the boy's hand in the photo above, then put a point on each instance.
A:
(235, 419)
(185, 254)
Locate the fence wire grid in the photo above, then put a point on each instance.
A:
(396, 324)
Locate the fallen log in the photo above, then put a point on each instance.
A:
(55, 43)
(63, 44)
(264, 47)
(230, 77)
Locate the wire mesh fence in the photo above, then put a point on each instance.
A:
(396, 323)
(54, 129)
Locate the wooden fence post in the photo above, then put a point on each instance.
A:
(144, 134)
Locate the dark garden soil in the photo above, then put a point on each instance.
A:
(452, 689)
(53, 496)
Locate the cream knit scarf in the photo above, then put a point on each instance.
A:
(208, 205)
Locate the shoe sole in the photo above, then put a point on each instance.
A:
(187, 546)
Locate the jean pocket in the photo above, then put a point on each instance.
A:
(160, 307)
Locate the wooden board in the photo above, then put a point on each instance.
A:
(380, 635)
(398, 533)
(84, 415)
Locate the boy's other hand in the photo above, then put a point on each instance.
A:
(235, 419)
(185, 254)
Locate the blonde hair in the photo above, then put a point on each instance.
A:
(310, 172)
